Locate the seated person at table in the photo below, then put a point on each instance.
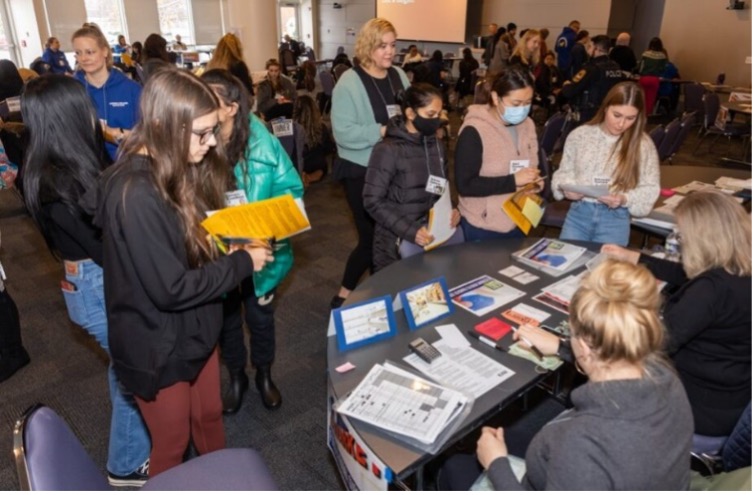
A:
(708, 319)
(403, 167)
(611, 150)
(630, 426)
(276, 93)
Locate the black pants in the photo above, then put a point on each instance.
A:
(360, 259)
(260, 319)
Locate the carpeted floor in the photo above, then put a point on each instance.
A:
(68, 370)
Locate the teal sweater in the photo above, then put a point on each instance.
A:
(268, 172)
(352, 118)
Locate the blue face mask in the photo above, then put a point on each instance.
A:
(515, 115)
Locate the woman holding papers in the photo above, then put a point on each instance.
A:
(630, 426)
(617, 161)
(262, 170)
(708, 319)
(363, 102)
(163, 277)
(407, 174)
(64, 157)
(496, 155)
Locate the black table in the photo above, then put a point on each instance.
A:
(458, 264)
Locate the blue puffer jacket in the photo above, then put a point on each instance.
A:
(267, 173)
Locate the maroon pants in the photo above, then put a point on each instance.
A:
(182, 412)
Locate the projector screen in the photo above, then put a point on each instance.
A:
(426, 20)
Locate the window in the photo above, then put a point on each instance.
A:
(108, 15)
(175, 18)
(7, 50)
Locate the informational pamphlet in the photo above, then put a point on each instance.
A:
(484, 294)
(439, 220)
(277, 218)
(553, 254)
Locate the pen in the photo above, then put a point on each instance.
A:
(485, 340)
(533, 348)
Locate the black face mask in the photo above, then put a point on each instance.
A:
(425, 126)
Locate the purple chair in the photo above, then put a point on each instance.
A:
(672, 130)
(657, 134)
(50, 457)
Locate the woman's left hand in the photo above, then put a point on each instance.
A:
(490, 446)
(613, 200)
(455, 218)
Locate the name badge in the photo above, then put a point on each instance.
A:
(601, 181)
(517, 165)
(436, 185)
(282, 128)
(393, 110)
(235, 198)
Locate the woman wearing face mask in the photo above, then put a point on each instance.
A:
(496, 155)
(403, 169)
(611, 150)
(115, 96)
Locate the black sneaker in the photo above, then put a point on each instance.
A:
(135, 479)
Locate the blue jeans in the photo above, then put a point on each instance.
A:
(471, 233)
(129, 440)
(595, 222)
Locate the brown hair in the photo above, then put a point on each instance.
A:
(615, 312)
(626, 174)
(370, 37)
(306, 112)
(227, 51)
(170, 102)
(91, 30)
(715, 233)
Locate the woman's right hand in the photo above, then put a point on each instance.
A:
(526, 176)
(423, 237)
(260, 256)
(545, 341)
(621, 253)
(573, 196)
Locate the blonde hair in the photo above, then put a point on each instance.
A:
(628, 146)
(616, 312)
(528, 58)
(228, 51)
(370, 37)
(715, 233)
(92, 31)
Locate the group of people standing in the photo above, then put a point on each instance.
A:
(394, 168)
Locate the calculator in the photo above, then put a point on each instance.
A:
(424, 350)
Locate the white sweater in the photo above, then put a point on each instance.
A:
(588, 154)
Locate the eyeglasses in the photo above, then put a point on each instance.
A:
(205, 134)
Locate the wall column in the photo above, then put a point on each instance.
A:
(256, 24)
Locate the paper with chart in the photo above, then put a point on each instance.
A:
(403, 403)
(365, 321)
(462, 368)
(484, 294)
(439, 220)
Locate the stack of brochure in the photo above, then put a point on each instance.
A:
(558, 295)
(553, 257)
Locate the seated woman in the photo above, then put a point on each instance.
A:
(708, 319)
(276, 93)
(630, 426)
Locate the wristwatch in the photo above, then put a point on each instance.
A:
(563, 347)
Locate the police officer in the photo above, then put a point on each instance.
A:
(586, 90)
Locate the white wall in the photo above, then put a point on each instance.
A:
(306, 22)
(335, 24)
(25, 22)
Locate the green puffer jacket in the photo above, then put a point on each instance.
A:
(268, 173)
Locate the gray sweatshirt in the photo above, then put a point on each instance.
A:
(620, 435)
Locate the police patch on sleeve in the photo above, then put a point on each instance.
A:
(579, 75)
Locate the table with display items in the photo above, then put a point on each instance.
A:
(377, 454)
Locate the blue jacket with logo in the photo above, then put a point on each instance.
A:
(58, 62)
(117, 102)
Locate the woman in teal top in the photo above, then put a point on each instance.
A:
(262, 170)
(362, 103)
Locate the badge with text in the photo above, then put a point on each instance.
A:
(393, 110)
(436, 185)
(517, 165)
(601, 181)
(235, 198)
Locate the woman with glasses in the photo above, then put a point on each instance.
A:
(708, 318)
(114, 95)
(164, 278)
(262, 170)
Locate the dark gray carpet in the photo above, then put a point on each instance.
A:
(68, 370)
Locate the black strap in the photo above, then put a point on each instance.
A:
(377, 99)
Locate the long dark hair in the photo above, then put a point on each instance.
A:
(306, 112)
(155, 46)
(10, 80)
(231, 90)
(66, 149)
(170, 102)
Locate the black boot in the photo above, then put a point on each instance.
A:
(232, 401)
(267, 390)
(13, 356)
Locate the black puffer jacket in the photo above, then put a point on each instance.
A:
(394, 189)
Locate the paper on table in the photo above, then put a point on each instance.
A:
(729, 182)
(531, 312)
(439, 220)
(462, 369)
(511, 271)
(452, 336)
(589, 191)
(279, 217)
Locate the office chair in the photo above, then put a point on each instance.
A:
(712, 454)
(687, 122)
(50, 457)
(672, 130)
(657, 134)
(711, 126)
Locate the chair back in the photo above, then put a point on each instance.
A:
(692, 98)
(736, 451)
(288, 61)
(328, 82)
(687, 122)
(668, 141)
(550, 133)
(338, 71)
(50, 457)
(711, 108)
(657, 134)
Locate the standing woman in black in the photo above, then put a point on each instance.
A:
(362, 104)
